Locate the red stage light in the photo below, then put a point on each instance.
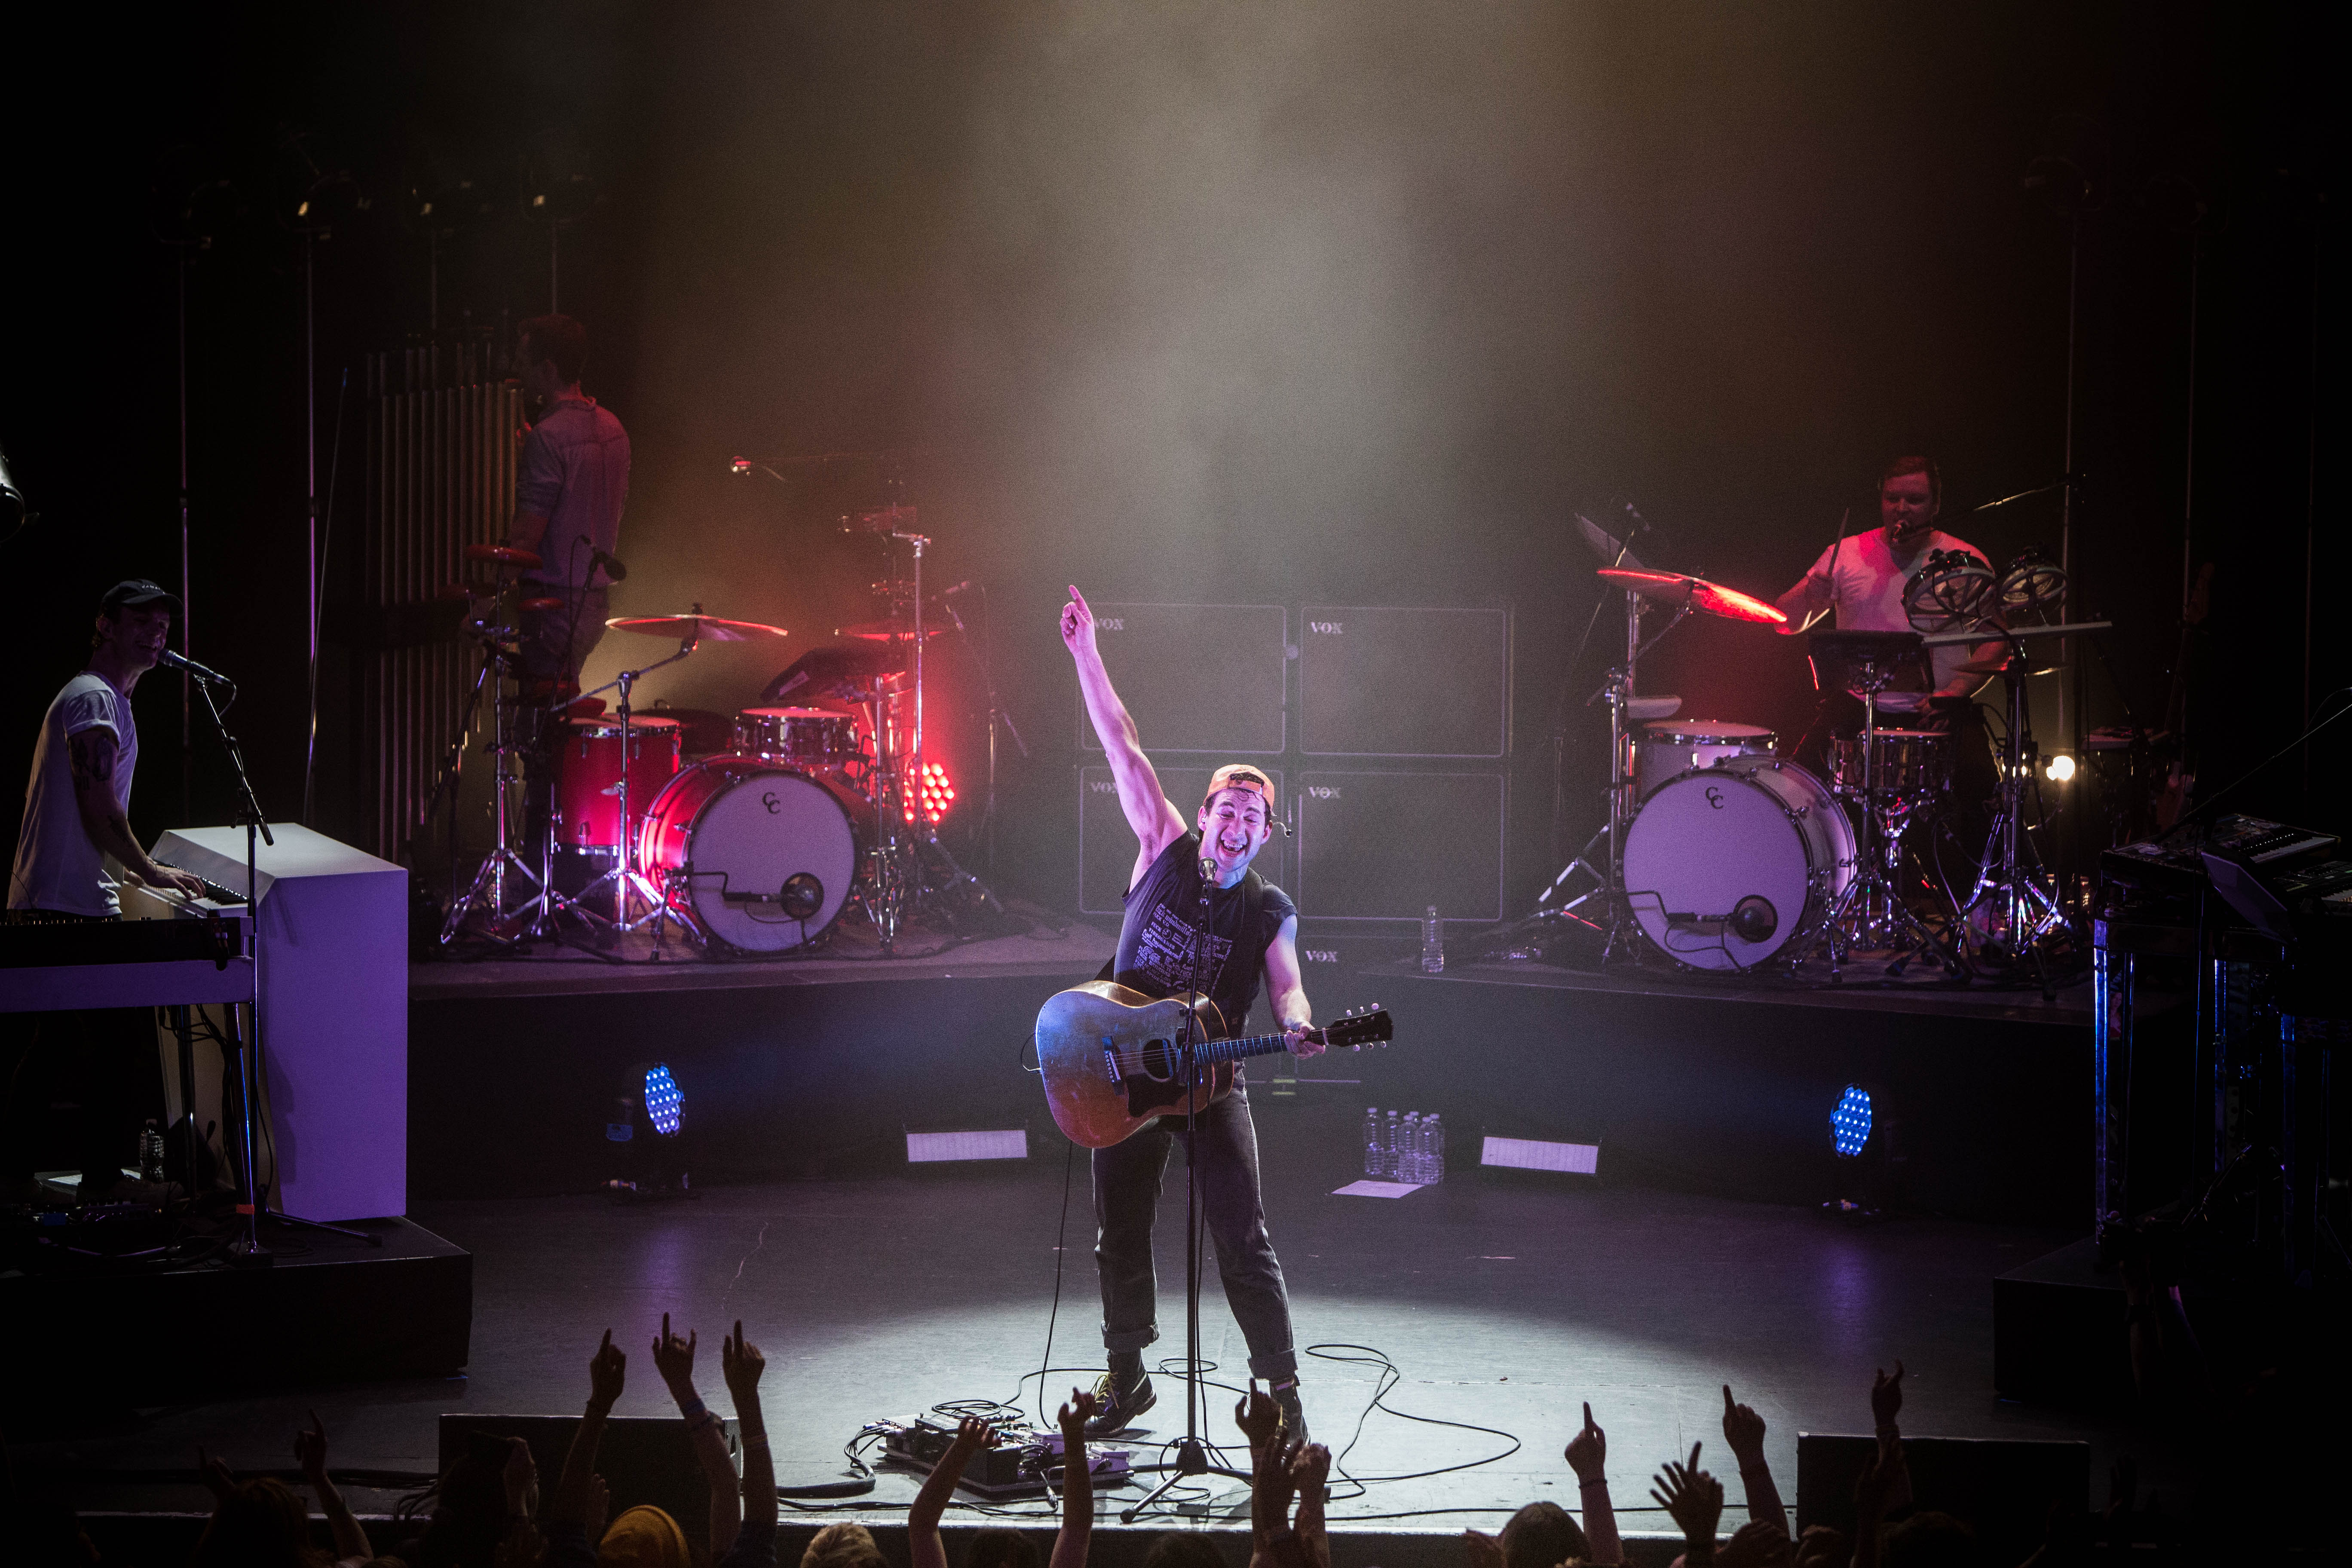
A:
(934, 794)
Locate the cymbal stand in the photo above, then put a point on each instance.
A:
(2013, 907)
(1613, 918)
(627, 876)
(899, 881)
(1872, 910)
(998, 716)
(488, 894)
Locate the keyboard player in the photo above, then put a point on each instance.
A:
(72, 850)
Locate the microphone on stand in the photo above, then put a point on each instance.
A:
(614, 569)
(210, 677)
(962, 587)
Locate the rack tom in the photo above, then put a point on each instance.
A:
(805, 737)
(1666, 747)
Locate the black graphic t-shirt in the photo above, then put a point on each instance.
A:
(1157, 942)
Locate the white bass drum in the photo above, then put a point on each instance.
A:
(1729, 866)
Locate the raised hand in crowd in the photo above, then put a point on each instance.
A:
(1822, 1546)
(1259, 1418)
(1694, 1499)
(1276, 1540)
(1882, 1482)
(573, 1500)
(1588, 1455)
(674, 1359)
(1743, 1430)
(311, 1454)
(924, 1546)
(740, 1365)
(1886, 1400)
(1078, 1483)
(1886, 1404)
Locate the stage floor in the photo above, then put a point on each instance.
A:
(1501, 1305)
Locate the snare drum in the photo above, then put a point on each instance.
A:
(1910, 767)
(756, 856)
(806, 736)
(1670, 746)
(590, 790)
(1727, 866)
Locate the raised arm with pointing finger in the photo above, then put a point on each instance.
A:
(1154, 817)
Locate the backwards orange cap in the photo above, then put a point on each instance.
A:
(1241, 775)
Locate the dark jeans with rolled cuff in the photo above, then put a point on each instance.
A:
(1129, 1177)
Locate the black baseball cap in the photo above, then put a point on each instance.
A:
(137, 591)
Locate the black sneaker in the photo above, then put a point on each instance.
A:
(1293, 1414)
(1116, 1407)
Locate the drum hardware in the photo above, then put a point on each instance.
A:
(2014, 907)
(1869, 911)
(1613, 918)
(627, 876)
(485, 899)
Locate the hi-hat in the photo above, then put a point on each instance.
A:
(887, 631)
(696, 627)
(502, 556)
(1672, 588)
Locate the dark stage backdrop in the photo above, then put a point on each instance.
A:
(1320, 303)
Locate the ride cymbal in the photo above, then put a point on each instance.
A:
(697, 627)
(1672, 588)
(502, 556)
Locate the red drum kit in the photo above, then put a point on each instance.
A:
(1719, 853)
(814, 813)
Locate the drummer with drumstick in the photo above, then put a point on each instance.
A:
(1862, 578)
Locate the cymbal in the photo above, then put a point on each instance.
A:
(700, 628)
(501, 554)
(542, 602)
(1995, 667)
(1672, 588)
(887, 631)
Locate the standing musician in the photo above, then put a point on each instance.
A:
(1862, 578)
(1254, 929)
(75, 844)
(573, 481)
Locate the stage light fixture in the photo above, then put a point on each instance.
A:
(663, 1102)
(645, 1137)
(1537, 1154)
(1849, 1123)
(2058, 769)
(932, 1148)
(936, 794)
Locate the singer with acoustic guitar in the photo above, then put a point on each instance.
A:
(1252, 933)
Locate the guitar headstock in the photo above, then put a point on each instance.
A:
(1359, 1027)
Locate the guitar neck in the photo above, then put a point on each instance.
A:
(1235, 1050)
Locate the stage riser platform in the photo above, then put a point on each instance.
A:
(1987, 1116)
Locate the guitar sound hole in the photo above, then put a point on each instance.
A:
(1158, 1059)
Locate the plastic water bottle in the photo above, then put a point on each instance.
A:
(1392, 1148)
(1409, 1157)
(1372, 1141)
(1433, 1132)
(1433, 943)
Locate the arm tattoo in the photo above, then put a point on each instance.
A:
(93, 753)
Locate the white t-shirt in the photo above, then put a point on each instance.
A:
(57, 864)
(1869, 581)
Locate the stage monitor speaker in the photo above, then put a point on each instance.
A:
(2002, 1487)
(1385, 846)
(1106, 843)
(643, 1460)
(1376, 682)
(1197, 677)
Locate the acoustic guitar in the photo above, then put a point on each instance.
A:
(1110, 1060)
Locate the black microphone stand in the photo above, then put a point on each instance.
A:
(248, 1251)
(1191, 1454)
